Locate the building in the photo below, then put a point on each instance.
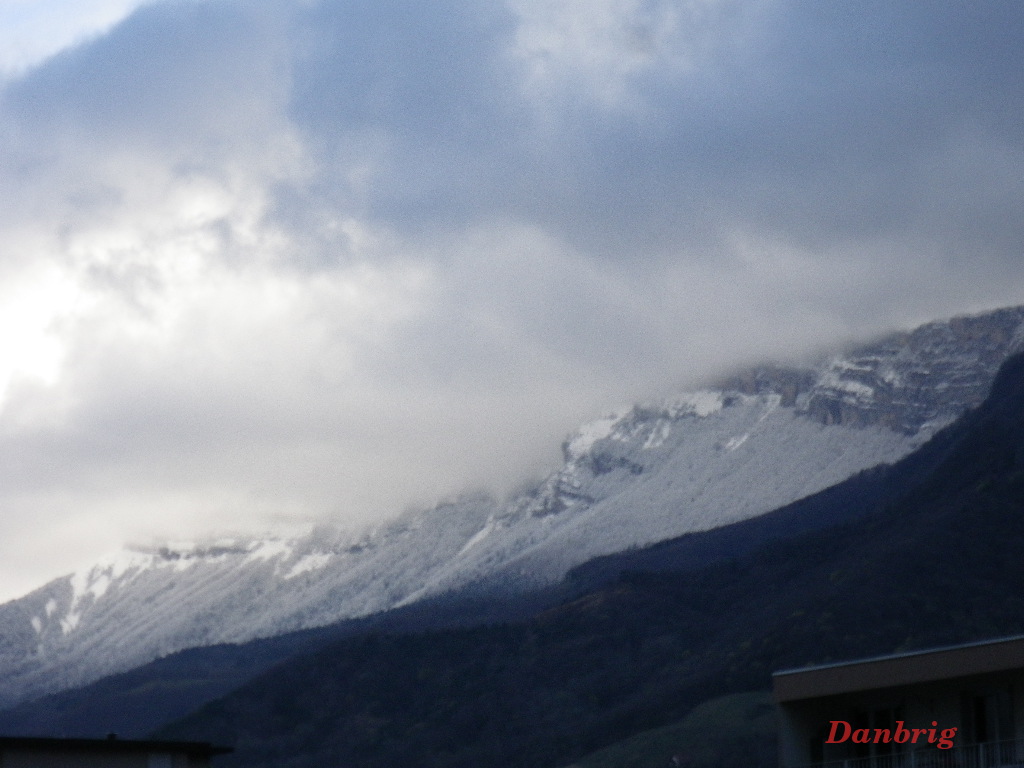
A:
(955, 707)
(22, 752)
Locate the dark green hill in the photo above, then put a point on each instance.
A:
(134, 703)
(736, 729)
(937, 561)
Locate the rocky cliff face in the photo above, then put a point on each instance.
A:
(901, 382)
(759, 440)
(908, 380)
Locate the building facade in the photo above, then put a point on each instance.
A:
(955, 707)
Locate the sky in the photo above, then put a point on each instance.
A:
(266, 263)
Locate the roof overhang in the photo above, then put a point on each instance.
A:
(899, 669)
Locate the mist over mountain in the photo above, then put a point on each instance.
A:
(697, 461)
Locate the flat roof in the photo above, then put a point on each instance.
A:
(899, 669)
(111, 744)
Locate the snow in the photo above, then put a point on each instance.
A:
(591, 433)
(269, 549)
(308, 563)
(736, 442)
(702, 403)
(856, 388)
(890, 376)
(70, 622)
(120, 563)
(79, 585)
(477, 537)
(658, 435)
(842, 364)
(98, 588)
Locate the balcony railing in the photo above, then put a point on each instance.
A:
(991, 754)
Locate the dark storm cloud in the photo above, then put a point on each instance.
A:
(820, 123)
(844, 122)
(160, 73)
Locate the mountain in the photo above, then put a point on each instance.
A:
(134, 703)
(935, 561)
(755, 442)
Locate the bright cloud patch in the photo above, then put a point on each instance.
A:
(33, 30)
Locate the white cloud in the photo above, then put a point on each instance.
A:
(29, 308)
(31, 31)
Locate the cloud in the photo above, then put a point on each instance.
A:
(31, 31)
(332, 259)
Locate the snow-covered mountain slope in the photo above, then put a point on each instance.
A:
(699, 460)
